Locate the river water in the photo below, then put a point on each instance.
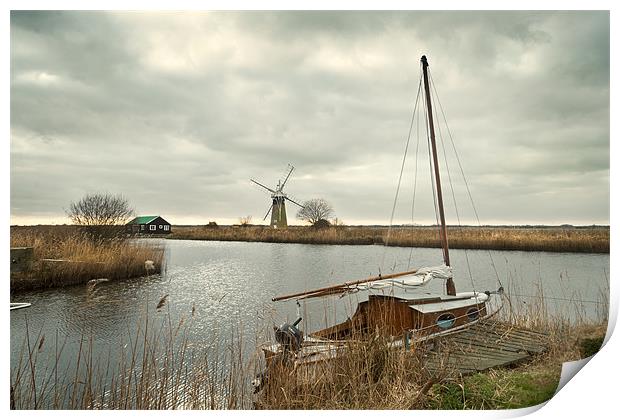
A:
(226, 289)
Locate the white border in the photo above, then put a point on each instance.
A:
(591, 395)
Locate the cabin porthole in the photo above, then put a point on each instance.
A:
(473, 314)
(445, 321)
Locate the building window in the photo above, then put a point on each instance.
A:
(161, 227)
(166, 227)
(152, 227)
(141, 227)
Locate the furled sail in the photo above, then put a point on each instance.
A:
(421, 277)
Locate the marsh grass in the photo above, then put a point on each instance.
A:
(155, 367)
(161, 365)
(83, 256)
(367, 374)
(571, 335)
(371, 375)
(553, 239)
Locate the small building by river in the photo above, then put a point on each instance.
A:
(149, 225)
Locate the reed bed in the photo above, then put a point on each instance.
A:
(80, 257)
(156, 367)
(161, 366)
(552, 239)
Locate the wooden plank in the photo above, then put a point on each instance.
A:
(483, 347)
(516, 341)
(503, 329)
(513, 347)
(520, 346)
(495, 353)
(508, 345)
(487, 356)
(517, 336)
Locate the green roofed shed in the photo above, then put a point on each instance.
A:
(149, 225)
(142, 220)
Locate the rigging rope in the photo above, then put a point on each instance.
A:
(415, 185)
(445, 157)
(402, 167)
(430, 162)
(471, 199)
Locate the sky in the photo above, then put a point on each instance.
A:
(177, 111)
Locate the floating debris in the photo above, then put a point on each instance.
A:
(162, 303)
(94, 282)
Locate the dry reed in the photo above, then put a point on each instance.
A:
(160, 367)
(157, 367)
(78, 257)
(553, 239)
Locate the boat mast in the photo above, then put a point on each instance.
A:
(450, 289)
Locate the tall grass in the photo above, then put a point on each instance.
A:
(554, 239)
(83, 256)
(156, 367)
(160, 365)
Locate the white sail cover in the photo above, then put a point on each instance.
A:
(419, 278)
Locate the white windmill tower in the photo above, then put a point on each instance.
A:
(278, 198)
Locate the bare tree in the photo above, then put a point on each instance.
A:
(100, 209)
(315, 210)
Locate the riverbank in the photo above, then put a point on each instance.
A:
(66, 256)
(208, 316)
(163, 369)
(374, 378)
(518, 238)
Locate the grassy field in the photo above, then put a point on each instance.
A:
(553, 239)
(85, 257)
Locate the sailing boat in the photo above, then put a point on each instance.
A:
(396, 306)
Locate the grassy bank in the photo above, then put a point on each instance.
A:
(553, 239)
(372, 377)
(160, 367)
(83, 257)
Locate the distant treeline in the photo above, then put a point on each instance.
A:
(564, 238)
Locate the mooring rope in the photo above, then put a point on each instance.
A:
(508, 294)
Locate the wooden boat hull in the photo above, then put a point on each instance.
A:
(407, 324)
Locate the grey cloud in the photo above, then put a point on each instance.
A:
(176, 111)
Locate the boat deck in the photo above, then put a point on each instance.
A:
(484, 346)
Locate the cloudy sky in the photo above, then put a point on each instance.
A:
(176, 111)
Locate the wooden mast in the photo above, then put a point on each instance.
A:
(450, 289)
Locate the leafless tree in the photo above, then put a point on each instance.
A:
(100, 209)
(315, 210)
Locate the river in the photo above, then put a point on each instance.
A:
(225, 288)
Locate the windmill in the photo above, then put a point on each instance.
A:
(278, 198)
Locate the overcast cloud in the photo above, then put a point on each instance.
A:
(178, 110)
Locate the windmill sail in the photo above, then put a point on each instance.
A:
(278, 201)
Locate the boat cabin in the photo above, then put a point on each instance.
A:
(393, 315)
